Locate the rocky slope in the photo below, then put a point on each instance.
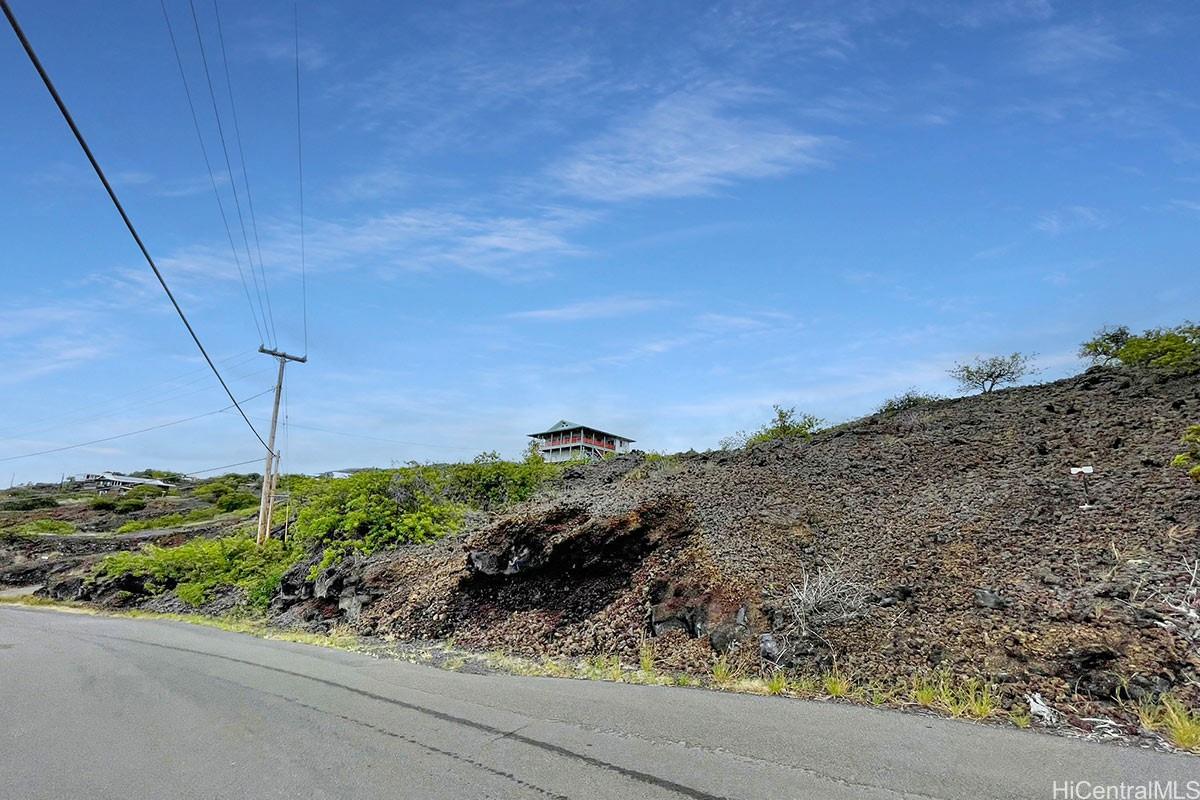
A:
(951, 536)
(959, 522)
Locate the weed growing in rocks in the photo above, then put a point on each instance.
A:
(777, 683)
(722, 671)
(646, 658)
(1169, 716)
(836, 685)
(1020, 717)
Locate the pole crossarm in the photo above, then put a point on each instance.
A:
(283, 355)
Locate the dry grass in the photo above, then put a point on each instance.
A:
(1169, 716)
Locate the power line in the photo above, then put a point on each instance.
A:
(133, 433)
(382, 439)
(191, 378)
(237, 131)
(211, 174)
(62, 107)
(225, 466)
(300, 172)
(77, 419)
(267, 315)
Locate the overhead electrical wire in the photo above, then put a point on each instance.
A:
(170, 396)
(300, 172)
(237, 132)
(62, 107)
(191, 378)
(212, 175)
(270, 317)
(235, 404)
(380, 438)
(224, 466)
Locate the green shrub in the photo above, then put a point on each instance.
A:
(786, 424)
(169, 520)
(128, 505)
(372, 510)
(1170, 350)
(234, 501)
(144, 493)
(103, 503)
(40, 526)
(195, 568)
(28, 503)
(904, 402)
(1190, 458)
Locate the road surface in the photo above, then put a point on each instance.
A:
(95, 707)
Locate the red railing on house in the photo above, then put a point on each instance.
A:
(564, 441)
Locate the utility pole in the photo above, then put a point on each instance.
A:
(270, 476)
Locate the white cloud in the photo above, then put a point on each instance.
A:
(1067, 50)
(689, 143)
(1186, 205)
(1071, 218)
(591, 309)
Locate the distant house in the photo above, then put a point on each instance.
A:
(112, 482)
(567, 440)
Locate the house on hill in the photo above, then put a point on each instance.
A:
(106, 482)
(566, 440)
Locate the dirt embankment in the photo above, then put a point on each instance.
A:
(961, 520)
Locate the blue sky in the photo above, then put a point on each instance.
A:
(659, 219)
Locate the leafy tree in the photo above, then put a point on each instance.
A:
(987, 374)
(1105, 348)
(1190, 458)
(1170, 350)
(533, 453)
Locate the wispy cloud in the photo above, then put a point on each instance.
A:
(1191, 206)
(689, 143)
(423, 239)
(618, 306)
(1071, 218)
(1067, 50)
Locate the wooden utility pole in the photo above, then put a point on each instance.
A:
(270, 474)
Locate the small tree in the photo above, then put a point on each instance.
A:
(1105, 348)
(1173, 351)
(987, 374)
(786, 424)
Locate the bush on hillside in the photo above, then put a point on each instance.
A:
(170, 520)
(40, 526)
(904, 402)
(376, 509)
(988, 374)
(128, 505)
(1170, 350)
(103, 503)
(28, 503)
(1189, 459)
(786, 424)
(144, 493)
(237, 500)
(194, 569)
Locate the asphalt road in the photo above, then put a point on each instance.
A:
(94, 707)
